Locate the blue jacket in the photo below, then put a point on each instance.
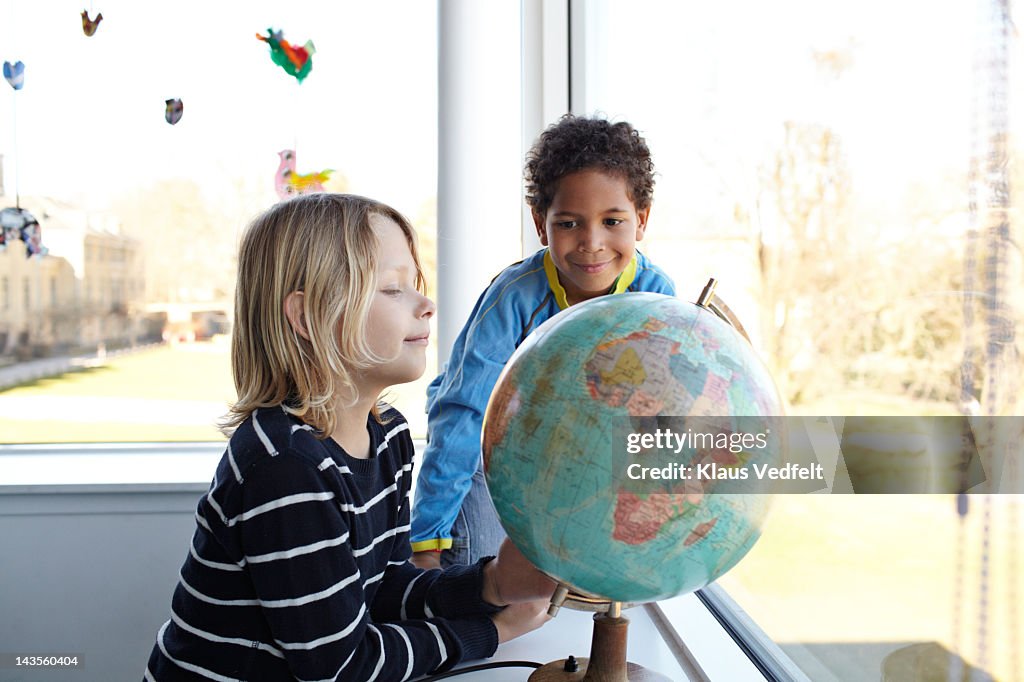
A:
(519, 299)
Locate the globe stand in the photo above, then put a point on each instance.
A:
(607, 662)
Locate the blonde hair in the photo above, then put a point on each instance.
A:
(324, 246)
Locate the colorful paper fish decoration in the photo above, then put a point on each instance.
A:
(89, 26)
(296, 61)
(17, 223)
(173, 110)
(15, 74)
(288, 183)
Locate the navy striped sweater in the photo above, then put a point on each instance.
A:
(299, 568)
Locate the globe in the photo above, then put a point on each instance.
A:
(556, 418)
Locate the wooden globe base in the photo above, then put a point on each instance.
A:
(554, 672)
(607, 662)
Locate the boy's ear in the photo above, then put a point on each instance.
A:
(641, 224)
(293, 306)
(538, 222)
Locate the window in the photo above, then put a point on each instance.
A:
(819, 169)
(147, 229)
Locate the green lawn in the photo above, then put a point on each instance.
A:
(171, 393)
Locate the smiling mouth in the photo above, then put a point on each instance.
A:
(592, 268)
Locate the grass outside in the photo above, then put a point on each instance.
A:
(169, 393)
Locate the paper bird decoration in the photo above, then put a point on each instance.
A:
(173, 110)
(17, 223)
(288, 183)
(296, 61)
(15, 74)
(89, 26)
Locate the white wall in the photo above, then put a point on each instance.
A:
(89, 570)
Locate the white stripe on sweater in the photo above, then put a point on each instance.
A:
(408, 649)
(298, 551)
(315, 596)
(214, 564)
(326, 639)
(441, 648)
(329, 462)
(346, 507)
(380, 661)
(212, 600)
(201, 520)
(234, 465)
(279, 503)
(212, 502)
(375, 578)
(387, 437)
(380, 538)
(381, 574)
(405, 597)
(272, 603)
(209, 674)
(210, 637)
(271, 450)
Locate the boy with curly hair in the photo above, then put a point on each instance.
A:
(589, 183)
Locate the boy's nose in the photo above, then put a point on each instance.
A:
(591, 239)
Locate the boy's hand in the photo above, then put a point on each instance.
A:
(518, 619)
(510, 579)
(426, 560)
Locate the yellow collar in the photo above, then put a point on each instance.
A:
(621, 283)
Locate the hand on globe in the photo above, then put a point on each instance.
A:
(510, 579)
(518, 619)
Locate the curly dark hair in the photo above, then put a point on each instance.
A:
(578, 143)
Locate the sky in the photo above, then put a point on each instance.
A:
(712, 84)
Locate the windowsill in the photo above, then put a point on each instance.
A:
(108, 467)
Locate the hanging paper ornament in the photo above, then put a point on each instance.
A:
(296, 61)
(288, 183)
(17, 223)
(173, 110)
(15, 74)
(89, 26)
